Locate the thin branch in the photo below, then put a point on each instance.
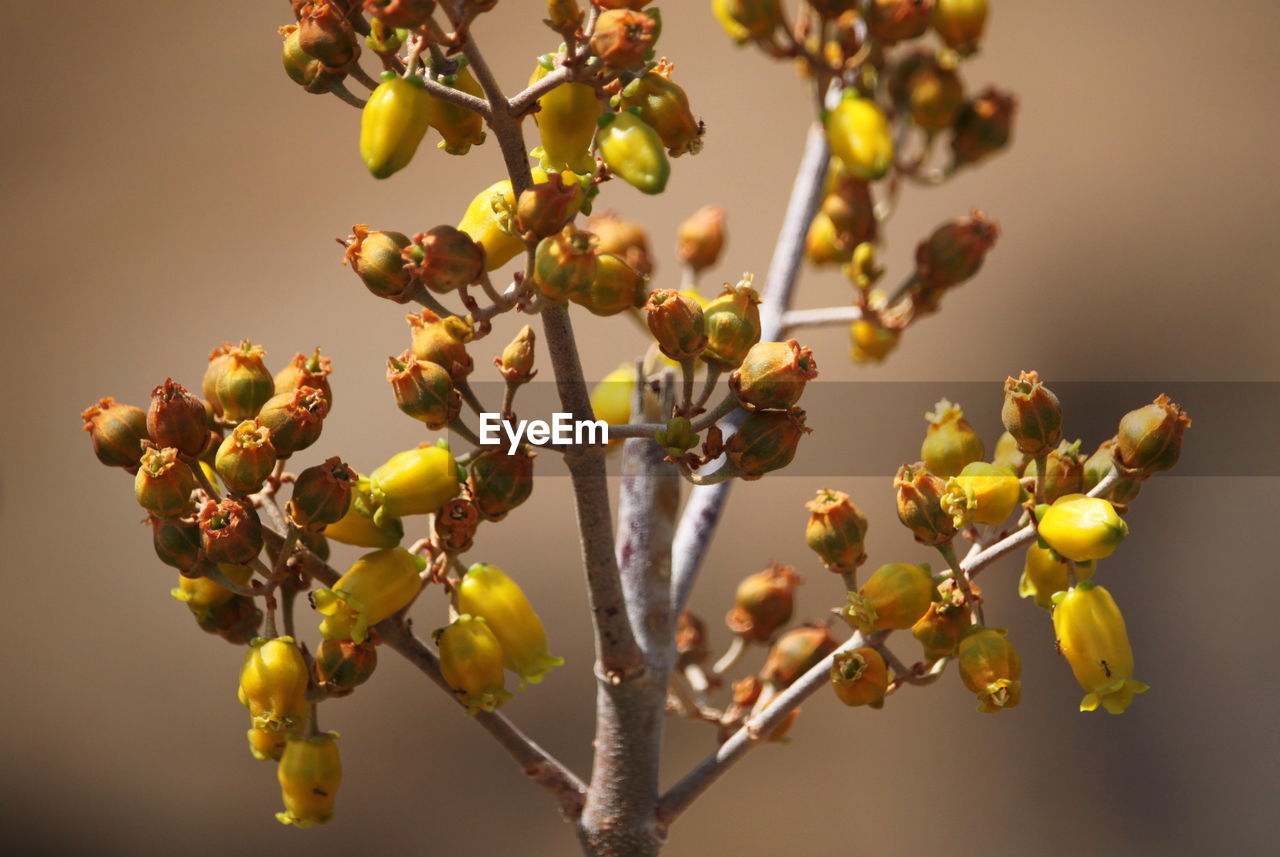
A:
(797, 318)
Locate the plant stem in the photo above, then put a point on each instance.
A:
(831, 315)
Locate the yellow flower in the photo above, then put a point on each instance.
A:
(858, 133)
(377, 585)
(202, 596)
(860, 677)
(357, 526)
(273, 685)
(981, 494)
(392, 124)
(611, 398)
(1092, 637)
(871, 342)
(490, 594)
(894, 597)
(566, 122)
(310, 772)
(991, 667)
(633, 151)
(1082, 528)
(414, 482)
(1043, 574)
(471, 661)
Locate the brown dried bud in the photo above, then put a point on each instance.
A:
(341, 666)
(243, 383)
(766, 441)
(773, 375)
(1150, 438)
(246, 458)
(424, 391)
(623, 238)
(564, 16)
(235, 620)
(441, 341)
(164, 483)
(1098, 466)
(764, 603)
(1063, 471)
(953, 253)
(304, 371)
(692, 647)
(700, 238)
(516, 362)
(851, 211)
(117, 432)
(837, 531)
(304, 69)
(499, 482)
(546, 207)
(321, 495)
(294, 419)
(1031, 413)
(377, 258)
(230, 531)
(617, 287)
(920, 505)
(893, 21)
(732, 323)
(176, 418)
(176, 541)
(677, 323)
(798, 651)
(401, 14)
(565, 263)
(983, 126)
(445, 259)
(325, 33)
(936, 97)
(623, 37)
(455, 525)
(939, 630)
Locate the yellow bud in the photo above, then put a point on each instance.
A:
(377, 585)
(981, 494)
(611, 398)
(859, 135)
(860, 677)
(633, 151)
(414, 482)
(899, 593)
(202, 596)
(309, 774)
(950, 442)
(871, 342)
(392, 124)
(471, 661)
(960, 23)
(991, 667)
(461, 128)
(486, 227)
(1092, 637)
(273, 685)
(1082, 528)
(486, 592)
(566, 122)
(1043, 575)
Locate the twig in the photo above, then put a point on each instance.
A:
(797, 318)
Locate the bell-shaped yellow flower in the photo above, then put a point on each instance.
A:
(471, 662)
(461, 128)
(357, 527)
(273, 685)
(894, 597)
(414, 482)
(310, 772)
(487, 592)
(633, 151)
(1082, 528)
(377, 585)
(266, 745)
(859, 135)
(392, 124)
(1043, 574)
(567, 122)
(990, 666)
(982, 493)
(1092, 637)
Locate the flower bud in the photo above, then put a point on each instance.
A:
(920, 505)
(700, 238)
(766, 441)
(859, 136)
(499, 483)
(565, 264)
(851, 212)
(566, 121)
(471, 662)
(954, 253)
(664, 106)
(1063, 471)
(547, 207)
(747, 19)
(935, 96)
(176, 542)
(981, 494)
(424, 391)
(796, 652)
(230, 531)
(376, 586)
(516, 362)
(455, 525)
(414, 482)
(294, 419)
(939, 630)
(237, 620)
(950, 442)
(894, 597)
(1092, 637)
(325, 33)
(837, 531)
(377, 258)
(176, 418)
(746, 696)
(304, 371)
(460, 127)
(445, 259)
(1044, 574)
(321, 495)
(1007, 454)
(441, 341)
(401, 14)
(358, 526)
(246, 458)
(860, 677)
(1082, 528)
(990, 667)
(677, 437)
(393, 122)
(960, 23)
(732, 323)
(117, 433)
(823, 244)
(243, 383)
(677, 323)
(487, 593)
(1098, 466)
(983, 126)
(764, 603)
(616, 287)
(204, 597)
(273, 685)
(692, 647)
(164, 483)
(309, 774)
(872, 343)
(893, 21)
(632, 150)
(611, 398)
(1150, 438)
(623, 37)
(564, 16)
(1031, 413)
(341, 666)
(623, 238)
(304, 69)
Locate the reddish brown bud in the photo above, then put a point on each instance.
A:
(294, 419)
(766, 441)
(546, 207)
(304, 371)
(677, 323)
(773, 375)
(325, 33)
(893, 21)
(401, 14)
(953, 253)
(235, 620)
(441, 341)
(164, 483)
(920, 505)
(851, 211)
(983, 126)
(692, 647)
(622, 37)
(936, 97)
(764, 603)
(1150, 438)
(321, 495)
(1063, 471)
(304, 69)
(230, 531)
(700, 238)
(1031, 413)
(516, 362)
(623, 238)
(246, 458)
(499, 482)
(176, 541)
(117, 433)
(796, 652)
(377, 258)
(176, 418)
(1098, 466)
(340, 666)
(837, 531)
(445, 259)
(424, 391)
(456, 524)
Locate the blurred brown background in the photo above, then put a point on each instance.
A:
(166, 188)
